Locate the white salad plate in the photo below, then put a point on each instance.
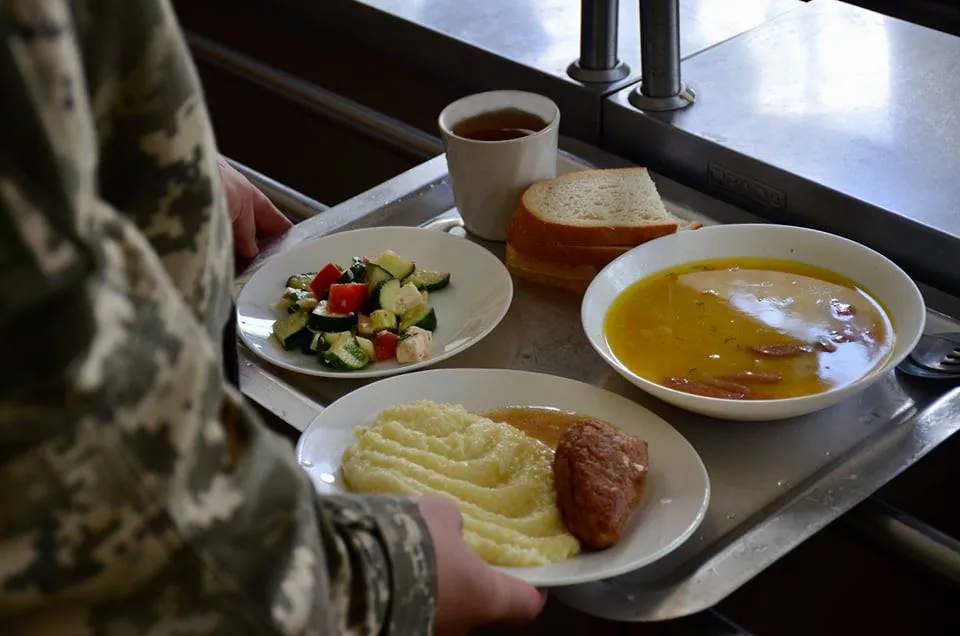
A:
(475, 302)
(678, 488)
(872, 271)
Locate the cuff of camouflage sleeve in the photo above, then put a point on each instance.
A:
(413, 564)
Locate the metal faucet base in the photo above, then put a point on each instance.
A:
(684, 98)
(598, 75)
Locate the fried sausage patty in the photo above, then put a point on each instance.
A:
(600, 473)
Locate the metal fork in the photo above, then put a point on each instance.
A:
(938, 352)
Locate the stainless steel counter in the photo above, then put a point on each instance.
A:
(525, 44)
(829, 116)
(545, 34)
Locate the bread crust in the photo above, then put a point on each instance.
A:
(595, 235)
(569, 256)
(574, 279)
(523, 235)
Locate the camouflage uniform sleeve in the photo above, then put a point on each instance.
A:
(139, 494)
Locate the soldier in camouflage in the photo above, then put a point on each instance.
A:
(138, 494)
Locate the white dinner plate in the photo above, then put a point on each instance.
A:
(476, 300)
(678, 488)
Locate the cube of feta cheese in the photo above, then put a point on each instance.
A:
(408, 298)
(415, 346)
(364, 327)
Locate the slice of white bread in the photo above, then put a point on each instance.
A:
(571, 278)
(526, 235)
(526, 240)
(616, 207)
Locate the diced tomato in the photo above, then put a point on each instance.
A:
(347, 298)
(324, 278)
(385, 345)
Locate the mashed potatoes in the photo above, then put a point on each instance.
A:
(500, 478)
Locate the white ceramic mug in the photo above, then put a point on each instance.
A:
(489, 177)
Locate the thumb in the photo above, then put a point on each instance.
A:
(515, 602)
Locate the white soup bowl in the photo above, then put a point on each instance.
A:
(889, 284)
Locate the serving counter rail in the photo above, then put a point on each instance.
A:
(774, 485)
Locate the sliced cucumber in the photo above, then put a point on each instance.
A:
(293, 294)
(367, 346)
(284, 304)
(306, 304)
(427, 280)
(422, 316)
(322, 319)
(334, 337)
(301, 281)
(398, 266)
(346, 354)
(290, 331)
(373, 299)
(315, 344)
(388, 295)
(291, 300)
(374, 275)
(383, 319)
(295, 300)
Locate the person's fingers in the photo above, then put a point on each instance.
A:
(269, 221)
(471, 593)
(245, 230)
(442, 509)
(514, 601)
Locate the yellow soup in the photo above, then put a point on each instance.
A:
(749, 328)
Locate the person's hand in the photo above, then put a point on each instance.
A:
(251, 212)
(471, 593)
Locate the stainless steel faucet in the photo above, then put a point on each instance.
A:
(660, 87)
(599, 29)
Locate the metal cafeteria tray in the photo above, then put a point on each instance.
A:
(774, 484)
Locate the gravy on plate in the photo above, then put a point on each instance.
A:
(540, 422)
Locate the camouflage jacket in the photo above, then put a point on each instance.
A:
(137, 494)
